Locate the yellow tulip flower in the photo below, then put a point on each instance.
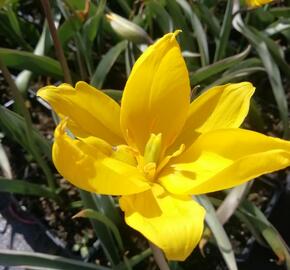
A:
(157, 149)
(257, 3)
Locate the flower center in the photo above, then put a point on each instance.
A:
(151, 156)
(154, 160)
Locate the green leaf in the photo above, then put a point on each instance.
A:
(275, 50)
(114, 94)
(161, 15)
(41, 65)
(43, 261)
(102, 231)
(198, 31)
(180, 22)
(271, 69)
(13, 126)
(209, 19)
(234, 76)
(213, 69)
(225, 32)
(277, 27)
(106, 64)
(271, 235)
(89, 213)
(23, 78)
(4, 163)
(92, 25)
(280, 12)
(68, 29)
(24, 187)
(219, 233)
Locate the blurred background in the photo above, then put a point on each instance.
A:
(50, 42)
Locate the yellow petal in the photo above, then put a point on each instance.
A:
(173, 223)
(89, 110)
(222, 159)
(224, 106)
(156, 96)
(88, 167)
(257, 3)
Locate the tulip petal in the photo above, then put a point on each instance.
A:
(90, 111)
(156, 92)
(222, 159)
(224, 106)
(89, 167)
(257, 3)
(173, 223)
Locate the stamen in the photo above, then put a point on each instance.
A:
(153, 148)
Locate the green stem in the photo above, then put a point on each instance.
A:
(28, 127)
(57, 45)
(159, 257)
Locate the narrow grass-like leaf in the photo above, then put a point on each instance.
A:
(234, 76)
(252, 62)
(106, 64)
(232, 202)
(24, 187)
(198, 31)
(4, 163)
(219, 233)
(114, 94)
(180, 22)
(270, 66)
(125, 6)
(213, 69)
(209, 18)
(271, 235)
(43, 261)
(102, 231)
(23, 78)
(15, 27)
(92, 25)
(277, 27)
(225, 33)
(13, 125)
(68, 29)
(89, 213)
(41, 65)
(161, 15)
(280, 12)
(276, 51)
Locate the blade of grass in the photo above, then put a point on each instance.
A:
(13, 125)
(43, 261)
(106, 64)
(28, 127)
(58, 48)
(25, 188)
(206, 72)
(161, 15)
(23, 78)
(4, 163)
(225, 32)
(232, 202)
(41, 65)
(219, 233)
(234, 76)
(271, 235)
(269, 64)
(89, 213)
(14, 23)
(102, 232)
(198, 31)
